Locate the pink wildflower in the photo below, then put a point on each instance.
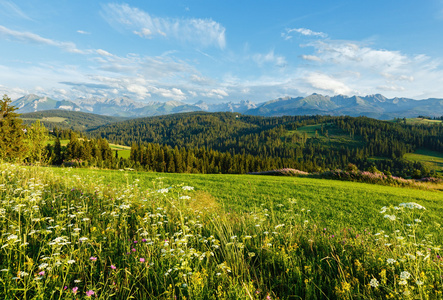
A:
(74, 290)
(142, 260)
(90, 293)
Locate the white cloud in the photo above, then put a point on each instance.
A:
(303, 31)
(311, 58)
(29, 37)
(270, 57)
(103, 52)
(391, 88)
(144, 33)
(170, 94)
(326, 83)
(202, 32)
(215, 93)
(351, 54)
(83, 32)
(140, 91)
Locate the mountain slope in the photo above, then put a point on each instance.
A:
(374, 106)
(74, 120)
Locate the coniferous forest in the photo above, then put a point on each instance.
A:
(232, 143)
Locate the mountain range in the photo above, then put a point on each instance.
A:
(374, 106)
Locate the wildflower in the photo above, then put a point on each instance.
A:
(93, 258)
(23, 274)
(405, 275)
(411, 205)
(71, 261)
(374, 283)
(142, 260)
(41, 273)
(419, 282)
(74, 290)
(89, 293)
(133, 250)
(188, 188)
(113, 267)
(390, 217)
(390, 261)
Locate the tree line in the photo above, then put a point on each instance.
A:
(226, 143)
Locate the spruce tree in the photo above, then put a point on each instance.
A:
(12, 133)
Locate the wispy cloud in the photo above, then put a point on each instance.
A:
(29, 37)
(83, 32)
(202, 32)
(11, 8)
(270, 57)
(311, 58)
(303, 31)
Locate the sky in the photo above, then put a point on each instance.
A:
(221, 51)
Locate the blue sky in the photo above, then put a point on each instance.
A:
(220, 51)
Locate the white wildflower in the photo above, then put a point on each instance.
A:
(374, 283)
(390, 217)
(405, 275)
(391, 261)
(412, 205)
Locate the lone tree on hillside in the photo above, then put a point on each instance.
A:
(12, 133)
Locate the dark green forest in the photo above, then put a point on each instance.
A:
(202, 142)
(234, 143)
(63, 119)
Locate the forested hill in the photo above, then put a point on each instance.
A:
(305, 142)
(63, 119)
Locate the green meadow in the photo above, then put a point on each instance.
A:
(432, 159)
(71, 233)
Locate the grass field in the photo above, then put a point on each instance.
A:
(335, 136)
(432, 159)
(87, 233)
(417, 121)
(123, 151)
(48, 119)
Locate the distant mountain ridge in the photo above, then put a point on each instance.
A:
(374, 106)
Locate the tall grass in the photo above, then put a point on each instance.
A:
(66, 236)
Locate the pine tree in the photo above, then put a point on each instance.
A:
(12, 133)
(37, 138)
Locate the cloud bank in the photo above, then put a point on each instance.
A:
(199, 32)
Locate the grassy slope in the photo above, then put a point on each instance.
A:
(123, 151)
(282, 250)
(334, 204)
(336, 137)
(68, 119)
(432, 159)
